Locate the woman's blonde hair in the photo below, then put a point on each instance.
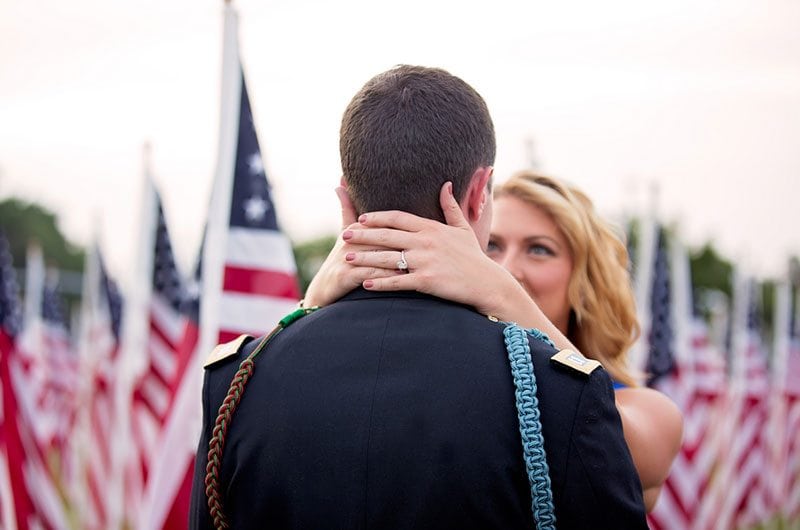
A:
(603, 322)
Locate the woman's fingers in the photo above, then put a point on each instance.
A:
(452, 211)
(381, 237)
(395, 219)
(356, 276)
(412, 223)
(396, 282)
(382, 259)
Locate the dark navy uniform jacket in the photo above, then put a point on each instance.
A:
(397, 410)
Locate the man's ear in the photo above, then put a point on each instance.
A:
(478, 193)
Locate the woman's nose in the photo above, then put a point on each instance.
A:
(510, 263)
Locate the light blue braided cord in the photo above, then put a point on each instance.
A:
(530, 426)
(541, 335)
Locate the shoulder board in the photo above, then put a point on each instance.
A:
(575, 361)
(223, 351)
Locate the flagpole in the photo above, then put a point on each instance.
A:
(214, 249)
(185, 416)
(34, 288)
(136, 310)
(741, 301)
(643, 279)
(530, 153)
(783, 307)
(778, 410)
(134, 339)
(7, 509)
(738, 306)
(86, 362)
(682, 310)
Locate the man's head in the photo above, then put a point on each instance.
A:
(407, 132)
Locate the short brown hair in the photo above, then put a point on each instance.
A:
(408, 131)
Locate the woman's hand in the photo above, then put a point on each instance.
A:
(444, 260)
(335, 277)
(447, 261)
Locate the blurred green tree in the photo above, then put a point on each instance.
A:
(309, 256)
(710, 270)
(24, 223)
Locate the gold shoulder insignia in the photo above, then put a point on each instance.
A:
(223, 351)
(576, 361)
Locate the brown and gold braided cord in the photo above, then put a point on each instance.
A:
(217, 443)
(225, 415)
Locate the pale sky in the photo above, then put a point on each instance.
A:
(701, 97)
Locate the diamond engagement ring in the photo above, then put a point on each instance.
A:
(402, 264)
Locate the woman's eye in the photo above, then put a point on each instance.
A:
(540, 250)
(492, 247)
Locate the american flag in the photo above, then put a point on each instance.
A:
(248, 280)
(175, 518)
(34, 417)
(41, 341)
(744, 495)
(661, 369)
(790, 371)
(101, 318)
(260, 275)
(154, 390)
(17, 506)
(692, 375)
(10, 305)
(190, 308)
(58, 398)
(703, 384)
(660, 359)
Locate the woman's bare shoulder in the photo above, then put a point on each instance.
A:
(654, 411)
(653, 427)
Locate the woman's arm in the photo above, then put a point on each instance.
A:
(336, 277)
(444, 260)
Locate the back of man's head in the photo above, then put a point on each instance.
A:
(408, 131)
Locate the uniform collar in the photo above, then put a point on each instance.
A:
(362, 294)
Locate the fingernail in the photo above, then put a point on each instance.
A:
(367, 284)
(362, 218)
(350, 256)
(347, 234)
(450, 188)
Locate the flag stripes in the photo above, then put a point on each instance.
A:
(136, 404)
(260, 282)
(101, 315)
(790, 505)
(248, 281)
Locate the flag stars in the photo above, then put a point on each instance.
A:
(10, 310)
(256, 164)
(254, 208)
(166, 279)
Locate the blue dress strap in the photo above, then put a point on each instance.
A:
(618, 385)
